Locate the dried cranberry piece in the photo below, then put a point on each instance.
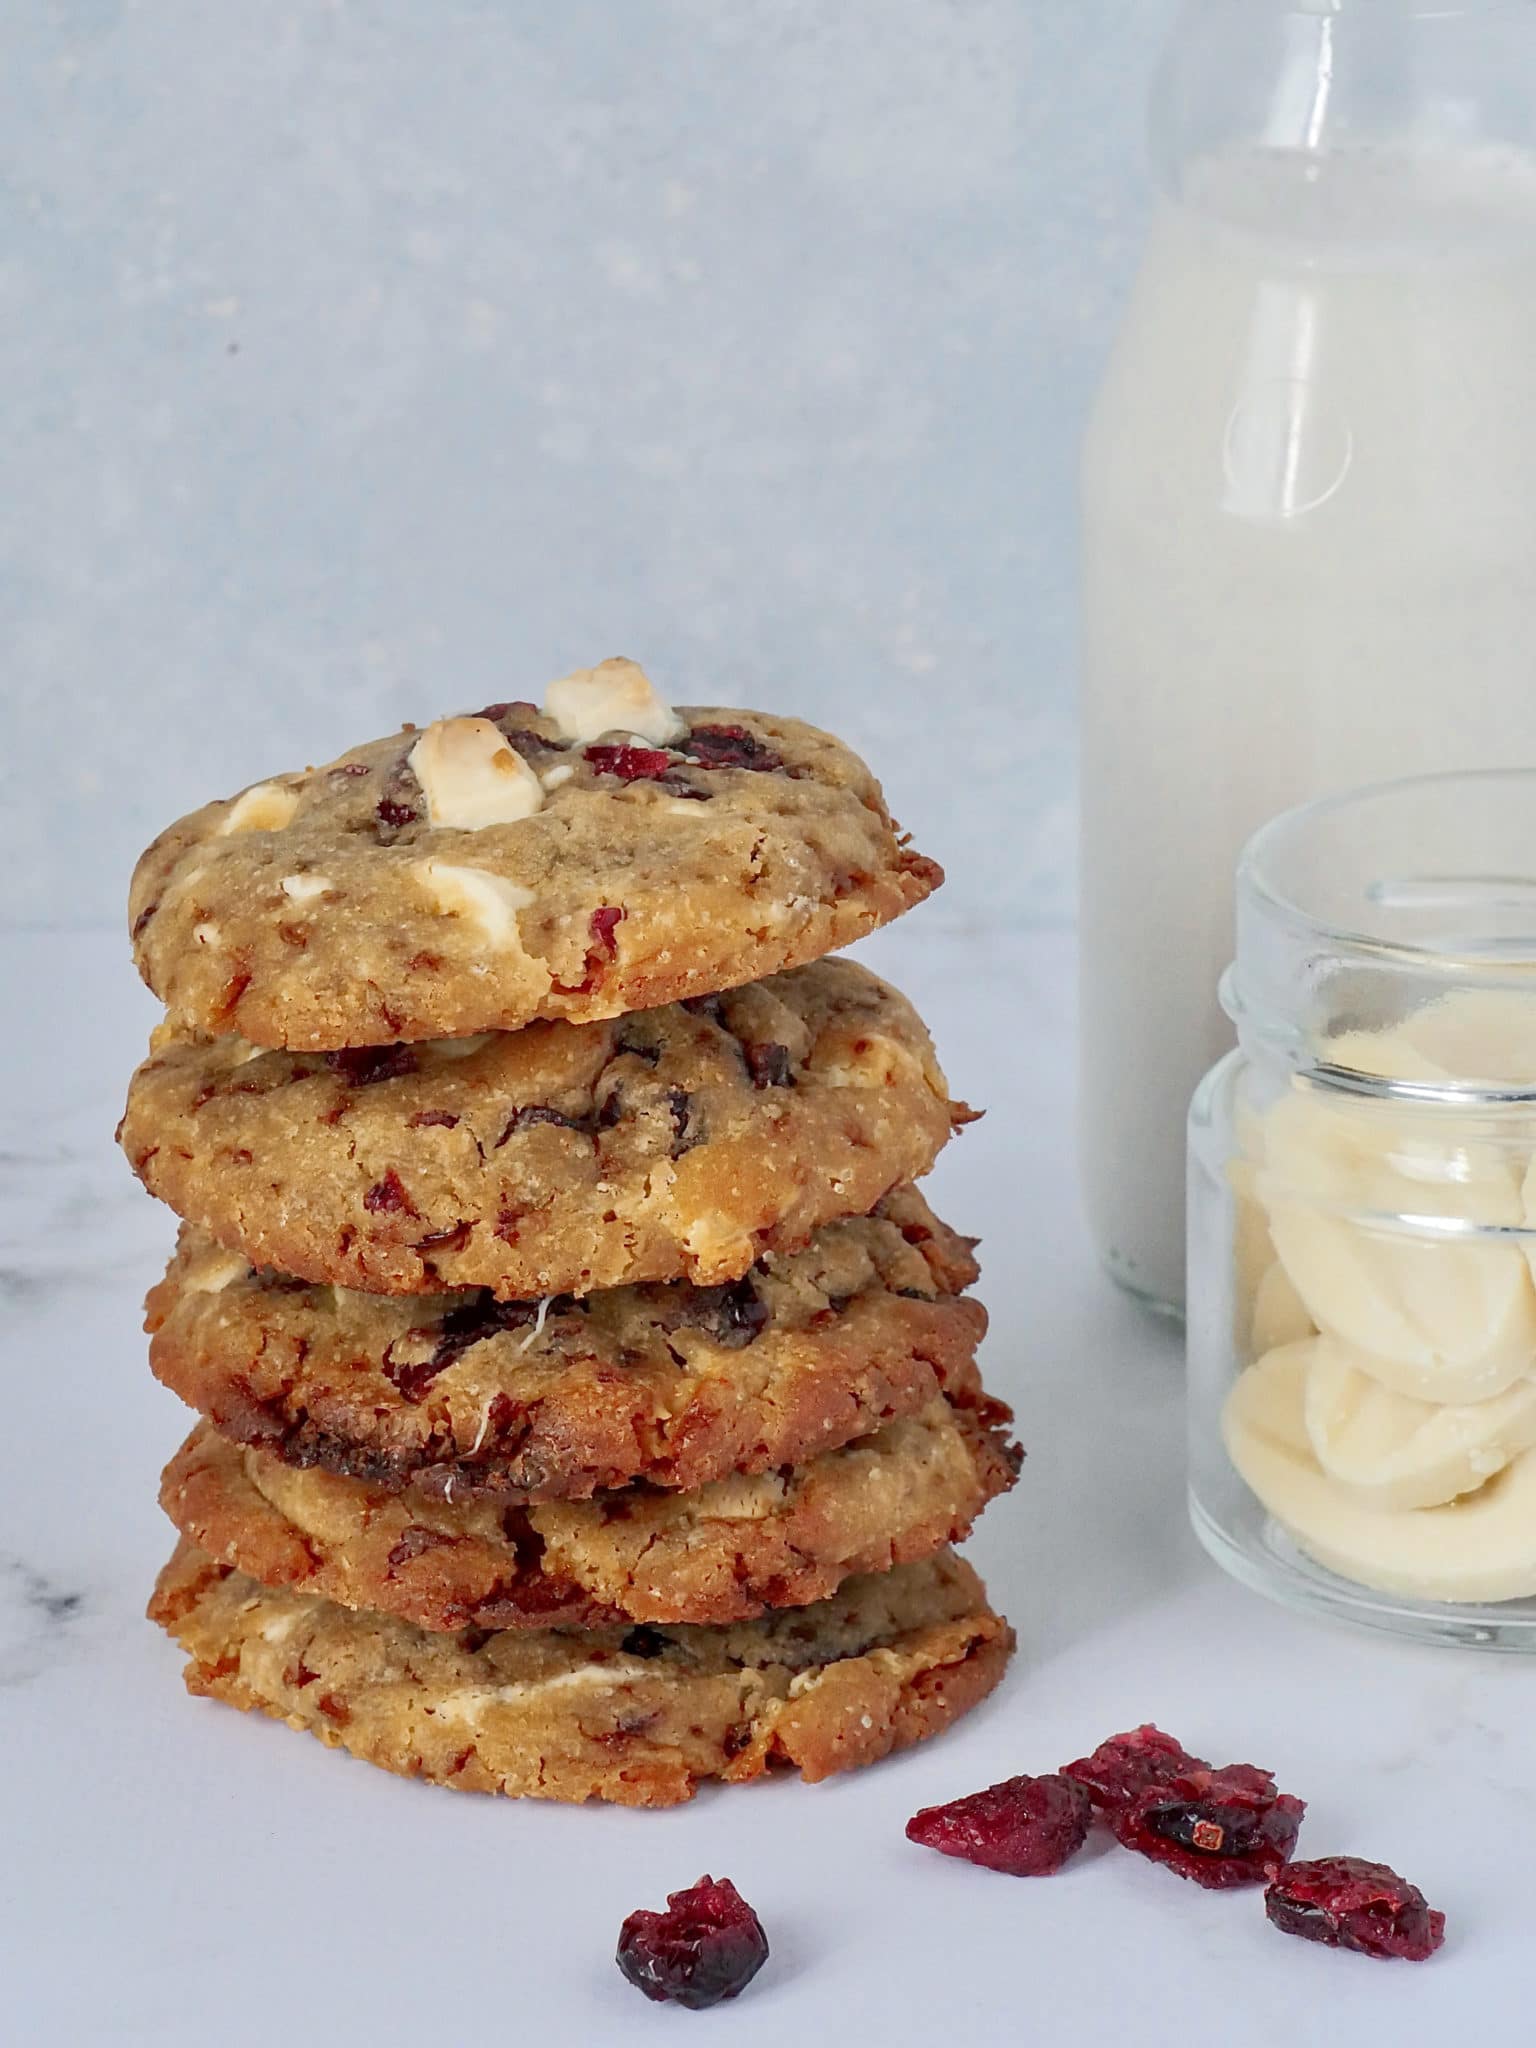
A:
(734, 1315)
(605, 922)
(1121, 1769)
(1346, 1902)
(415, 1542)
(707, 1946)
(645, 1642)
(730, 746)
(1027, 1827)
(470, 1323)
(1221, 1828)
(680, 1109)
(438, 1119)
(631, 764)
(361, 1066)
(388, 1197)
(395, 815)
(497, 712)
(532, 1113)
(769, 1066)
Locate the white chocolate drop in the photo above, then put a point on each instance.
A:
(1279, 1313)
(1395, 1452)
(1448, 1314)
(1479, 1547)
(489, 901)
(212, 1271)
(616, 696)
(471, 777)
(266, 807)
(305, 888)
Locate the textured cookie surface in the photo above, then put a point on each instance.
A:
(327, 908)
(678, 1143)
(636, 1716)
(722, 1554)
(462, 1395)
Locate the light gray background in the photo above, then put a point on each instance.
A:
(362, 362)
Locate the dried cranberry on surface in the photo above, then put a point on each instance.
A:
(1222, 1828)
(631, 764)
(1346, 1902)
(729, 746)
(393, 814)
(707, 1946)
(360, 1066)
(1122, 1768)
(769, 1065)
(735, 1314)
(1027, 1827)
(604, 924)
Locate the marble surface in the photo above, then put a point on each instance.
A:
(176, 1873)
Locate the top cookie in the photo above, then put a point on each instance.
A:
(604, 855)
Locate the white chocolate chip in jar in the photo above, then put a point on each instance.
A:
(266, 807)
(1392, 1222)
(489, 901)
(1479, 1547)
(1394, 1452)
(472, 777)
(616, 696)
(1279, 1315)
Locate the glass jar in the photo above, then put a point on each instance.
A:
(1362, 1216)
(1307, 517)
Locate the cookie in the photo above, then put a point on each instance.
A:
(679, 1143)
(636, 1716)
(464, 1396)
(604, 855)
(723, 1554)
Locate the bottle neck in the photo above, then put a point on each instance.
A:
(1317, 77)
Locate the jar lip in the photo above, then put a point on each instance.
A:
(1257, 885)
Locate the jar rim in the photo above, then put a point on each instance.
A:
(1256, 882)
(1375, 906)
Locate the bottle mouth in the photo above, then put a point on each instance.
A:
(1402, 10)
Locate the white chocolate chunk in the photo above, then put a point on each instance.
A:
(213, 1271)
(1279, 1313)
(1396, 1452)
(1446, 1313)
(305, 888)
(471, 777)
(552, 778)
(206, 934)
(616, 696)
(267, 807)
(459, 1048)
(490, 901)
(1479, 1547)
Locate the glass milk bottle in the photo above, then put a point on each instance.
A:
(1309, 507)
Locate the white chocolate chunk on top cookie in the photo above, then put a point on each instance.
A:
(489, 901)
(471, 777)
(265, 807)
(616, 696)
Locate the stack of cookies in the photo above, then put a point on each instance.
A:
(587, 1397)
